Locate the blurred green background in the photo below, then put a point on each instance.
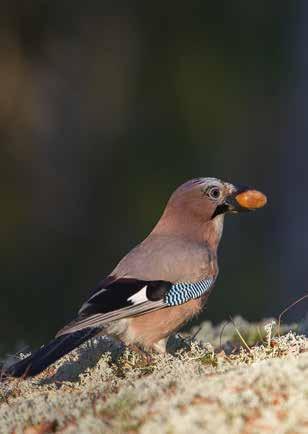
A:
(105, 107)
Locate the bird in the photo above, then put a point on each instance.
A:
(161, 283)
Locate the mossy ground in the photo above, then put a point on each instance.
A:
(255, 385)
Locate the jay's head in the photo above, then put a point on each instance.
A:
(206, 198)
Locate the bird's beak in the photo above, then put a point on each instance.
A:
(245, 199)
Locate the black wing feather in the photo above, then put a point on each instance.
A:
(116, 295)
(48, 354)
(114, 299)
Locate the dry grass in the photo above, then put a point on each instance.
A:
(224, 387)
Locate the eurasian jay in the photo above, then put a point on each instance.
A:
(161, 283)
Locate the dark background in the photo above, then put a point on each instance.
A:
(105, 108)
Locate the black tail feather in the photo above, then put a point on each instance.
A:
(50, 353)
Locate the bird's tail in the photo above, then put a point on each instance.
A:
(48, 354)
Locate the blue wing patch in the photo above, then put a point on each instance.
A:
(182, 292)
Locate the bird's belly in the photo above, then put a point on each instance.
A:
(152, 327)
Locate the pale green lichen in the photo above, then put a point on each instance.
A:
(200, 389)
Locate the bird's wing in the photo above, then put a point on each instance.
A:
(120, 298)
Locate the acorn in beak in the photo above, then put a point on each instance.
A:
(246, 199)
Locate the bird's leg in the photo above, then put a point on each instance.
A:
(160, 346)
(145, 355)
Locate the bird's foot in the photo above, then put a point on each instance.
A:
(145, 355)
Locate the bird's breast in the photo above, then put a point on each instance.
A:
(150, 328)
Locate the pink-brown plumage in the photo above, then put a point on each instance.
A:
(150, 328)
(155, 288)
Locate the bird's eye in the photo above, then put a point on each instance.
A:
(213, 193)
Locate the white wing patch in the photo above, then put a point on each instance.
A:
(139, 297)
